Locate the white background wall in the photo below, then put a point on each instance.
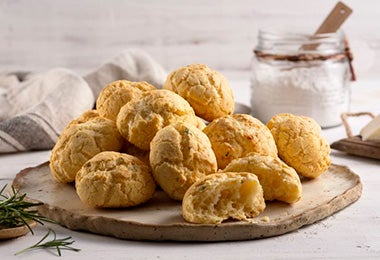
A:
(81, 34)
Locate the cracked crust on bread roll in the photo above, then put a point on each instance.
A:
(222, 196)
(180, 154)
(279, 181)
(236, 136)
(114, 180)
(207, 90)
(82, 138)
(139, 120)
(300, 144)
(118, 93)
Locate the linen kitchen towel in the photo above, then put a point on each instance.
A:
(35, 111)
(131, 64)
(35, 108)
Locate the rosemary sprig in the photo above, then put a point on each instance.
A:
(55, 243)
(15, 211)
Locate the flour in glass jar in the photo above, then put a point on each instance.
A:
(314, 84)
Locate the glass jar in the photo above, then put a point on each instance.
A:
(301, 74)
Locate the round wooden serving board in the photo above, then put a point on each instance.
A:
(161, 219)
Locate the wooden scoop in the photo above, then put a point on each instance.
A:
(331, 24)
(335, 19)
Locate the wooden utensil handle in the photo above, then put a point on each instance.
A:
(331, 23)
(344, 117)
(335, 19)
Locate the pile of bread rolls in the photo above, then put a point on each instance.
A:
(186, 140)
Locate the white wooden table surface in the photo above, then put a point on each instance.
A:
(352, 233)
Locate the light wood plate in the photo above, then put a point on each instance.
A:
(8, 233)
(161, 219)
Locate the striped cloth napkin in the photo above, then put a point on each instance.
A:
(36, 107)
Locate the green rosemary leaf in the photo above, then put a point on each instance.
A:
(55, 243)
(15, 211)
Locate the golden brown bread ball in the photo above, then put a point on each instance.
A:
(139, 120)
(118, 93)
(236, 136)
(207, 91)
(180, 154)
(279, 181)
(82, 138)
(220, 196)
(300, 144)
(114, 180)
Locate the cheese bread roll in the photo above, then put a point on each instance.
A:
(236, 136)
(207, 91)
(139, 120)
(279, 181)
(300, 144)
(114, 180)
(82, 138)
(117, 94)
(180, 154)
(221, 196)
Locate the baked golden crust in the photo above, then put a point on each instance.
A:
(220, 196)
(237, 135)
(118, 93)
(114, 180)
(82, 138)
(279, 181)
(180, 154)
(300, 144)
(207, 91)
(139, 120)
